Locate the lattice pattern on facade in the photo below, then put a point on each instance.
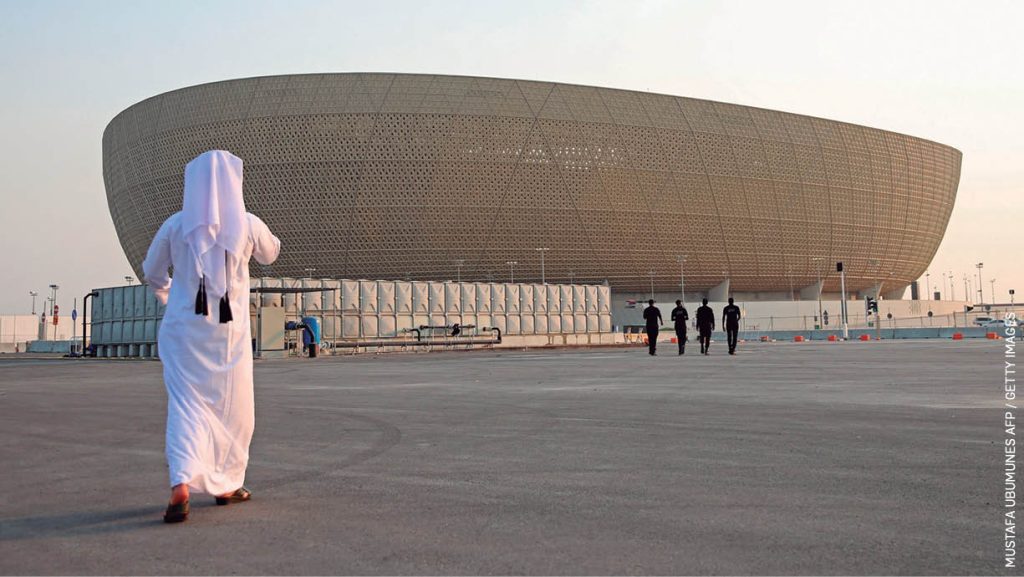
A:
(399, 176)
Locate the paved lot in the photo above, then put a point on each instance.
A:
(821, 458)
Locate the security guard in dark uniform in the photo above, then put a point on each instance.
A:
(731, 320)
(705, 324)
(652, 316)
(679, 318)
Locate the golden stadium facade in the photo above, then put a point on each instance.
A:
(406, 176)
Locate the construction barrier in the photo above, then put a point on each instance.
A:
(798, 339)
(865, 337)
(958, 336)
(833, 338)
(126, 320)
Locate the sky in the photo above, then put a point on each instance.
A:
(946, 71)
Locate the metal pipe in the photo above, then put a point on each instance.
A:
(418, 342)
(403, 343)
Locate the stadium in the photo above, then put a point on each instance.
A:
(431, 177)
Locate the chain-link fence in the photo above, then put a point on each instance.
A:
(978, 317)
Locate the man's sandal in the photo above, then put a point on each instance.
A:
(239, 496)
(176, 513)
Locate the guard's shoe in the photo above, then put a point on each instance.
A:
(241, 495)
(176, 513)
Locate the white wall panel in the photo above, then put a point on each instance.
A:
(512, 300)
(350, 296)
(436, 298)
(540, 324)
(554, 323)
(498, 304)
(526, 299)
(350, 327)
(420, 298)
(468, 297)
(386, 297)
(370, 326)
(526, 324)
(499, 322)
(579, 299)
(580, 323)
(117, 312)
(290, 300)
(403, 298)
(368, 296)
(483, 298)
(512, 325)
(452, 298)
(591, 299)
(604, 300)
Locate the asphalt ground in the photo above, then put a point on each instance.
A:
(812, 458)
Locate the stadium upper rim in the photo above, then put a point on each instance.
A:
(503, 78)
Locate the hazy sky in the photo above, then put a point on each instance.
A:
(947, 71)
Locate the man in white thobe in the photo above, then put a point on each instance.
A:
(204, 340)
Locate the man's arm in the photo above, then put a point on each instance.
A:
(266, 246)
(158, 261)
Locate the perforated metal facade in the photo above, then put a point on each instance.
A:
(398, 176)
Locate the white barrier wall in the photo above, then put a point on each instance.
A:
(126, 320)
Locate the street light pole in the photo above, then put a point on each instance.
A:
(682, 283)
(993, 282)
(789, 275)
(651, 274)
(981, 291)
(33, 294)
(952, 293)
(42, 332)
(511, 271)
(842, 309)
(927, 286)
(458, 269)
(543, 279)
(128, 279)
(54, 288)
(817, 268)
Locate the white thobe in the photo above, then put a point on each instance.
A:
(207, 364)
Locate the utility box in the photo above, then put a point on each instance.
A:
(270, 333)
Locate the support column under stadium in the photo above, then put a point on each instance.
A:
(719, 293)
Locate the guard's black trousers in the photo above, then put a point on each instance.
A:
(681, 339)
(705, 341)
(652, 340)
(732, 333)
